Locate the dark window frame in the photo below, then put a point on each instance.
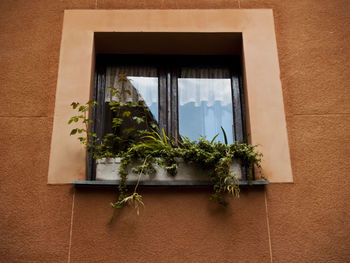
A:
(168, 73)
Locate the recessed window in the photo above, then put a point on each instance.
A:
(86, 33)
(184, 95)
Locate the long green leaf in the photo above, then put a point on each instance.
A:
(225, 137)
(211, 142)
(151, 137)
(164, 137)
(157, 135)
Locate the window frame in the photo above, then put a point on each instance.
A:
(168, 67)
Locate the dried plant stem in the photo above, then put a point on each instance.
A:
(140, 174)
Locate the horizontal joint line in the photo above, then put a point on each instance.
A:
(24, 116)
(317, 114)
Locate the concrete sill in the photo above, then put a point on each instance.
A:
(159, 183)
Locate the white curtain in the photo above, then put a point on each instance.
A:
(205, 103)
(207, 85)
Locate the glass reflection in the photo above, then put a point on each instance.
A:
(147, 89)
(131, 97)
(142, 82)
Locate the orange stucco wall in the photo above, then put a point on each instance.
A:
(306, 221)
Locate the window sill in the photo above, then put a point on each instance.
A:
(160, 183)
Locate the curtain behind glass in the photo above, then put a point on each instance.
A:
(205, 103)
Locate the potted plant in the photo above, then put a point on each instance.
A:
(142, 152)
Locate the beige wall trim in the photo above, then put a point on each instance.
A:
(263, 86)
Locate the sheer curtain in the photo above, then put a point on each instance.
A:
(205, 103)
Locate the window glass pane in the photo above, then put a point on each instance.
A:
(131, 98)
(133, 84)
(205, 103)
(147, 88)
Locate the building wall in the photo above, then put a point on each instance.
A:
(306, 221)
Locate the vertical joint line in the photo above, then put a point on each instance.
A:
(268, 226)
(71, 228)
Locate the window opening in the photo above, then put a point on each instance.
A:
(189, 95)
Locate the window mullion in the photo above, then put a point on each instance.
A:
(168, 116)
(169, 109)
(163, 105)
(174, 130)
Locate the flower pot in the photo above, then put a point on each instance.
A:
(108, 170)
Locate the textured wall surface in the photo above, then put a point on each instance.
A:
(307, 221)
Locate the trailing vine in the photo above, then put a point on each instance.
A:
(142, 143)
(214, 157)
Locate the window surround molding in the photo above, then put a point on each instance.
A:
(263, 92)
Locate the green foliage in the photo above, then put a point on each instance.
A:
(130, 122)
(86, 137)
(136, 139)
(138, 119)
(213, 157)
